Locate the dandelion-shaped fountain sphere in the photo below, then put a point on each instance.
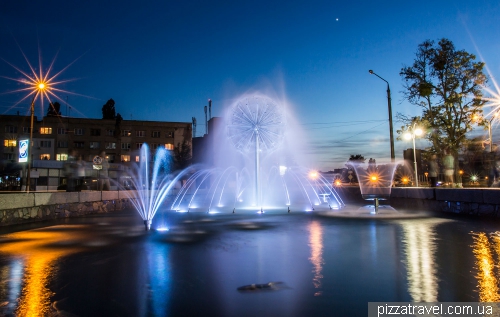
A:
(256, 122)
(256, 125)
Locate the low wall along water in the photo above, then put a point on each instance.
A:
(17, 208)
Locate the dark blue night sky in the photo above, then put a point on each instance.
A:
(162, 60)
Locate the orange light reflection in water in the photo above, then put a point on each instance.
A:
(37, 248)
(485, 265)
(316, 258)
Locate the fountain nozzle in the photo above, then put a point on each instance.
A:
(288, 209)
(147, 224)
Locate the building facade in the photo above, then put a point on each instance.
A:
(57, 139)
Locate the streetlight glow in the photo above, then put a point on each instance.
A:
(41, 86)
(412, 133)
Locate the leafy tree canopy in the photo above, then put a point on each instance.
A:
(357, 158)
(108, 110)
(182, 155)
(54, 109)
(447, 84)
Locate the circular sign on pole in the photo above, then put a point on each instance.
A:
(97, 160)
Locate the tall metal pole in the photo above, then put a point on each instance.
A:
(30, 146)
(489, 133)
(391, 134)
(415, 158)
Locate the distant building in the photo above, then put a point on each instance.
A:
(56, 137)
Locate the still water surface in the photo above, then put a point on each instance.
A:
(108, 265)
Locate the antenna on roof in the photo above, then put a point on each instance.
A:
(194, 126)
(209, 109)
(206, 121)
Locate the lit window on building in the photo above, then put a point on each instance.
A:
(126, 133)
(9, 143)
(45, 157)
(110, 146)
(62, 157)
(140, 133)
(45, 130)
(137, 158)
(169, 146)
(125, 158)
(156, 134)
(94, 145)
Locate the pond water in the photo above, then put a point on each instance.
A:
(109, 266)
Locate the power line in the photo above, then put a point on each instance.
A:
(359, 133)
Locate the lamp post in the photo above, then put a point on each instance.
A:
(493, 117)
(415, 131)
(39, 87)
(393, 157)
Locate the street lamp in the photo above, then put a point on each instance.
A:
(415, 131)
(38, 88)
(393, 157)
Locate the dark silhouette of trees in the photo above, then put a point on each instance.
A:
(108, 110)
(357, 158)
(182, 155)
(54, 109)
(118, 125)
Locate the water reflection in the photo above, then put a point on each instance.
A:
(316, 258)
(419, 248)
(159, 278)
(485, 265)
(33, 264)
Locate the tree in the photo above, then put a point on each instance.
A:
(108, 110)
(446, 84)
(54, 109)
(118, 125)
(357, 158)
(182, 155)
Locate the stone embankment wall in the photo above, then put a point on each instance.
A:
(17, 208)
(472, 201)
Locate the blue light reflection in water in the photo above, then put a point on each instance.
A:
(159, 277)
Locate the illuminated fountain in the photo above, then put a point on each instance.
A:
(151, 185)
(261, 174)
(375, 181)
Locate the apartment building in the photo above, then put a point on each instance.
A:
(55, 138)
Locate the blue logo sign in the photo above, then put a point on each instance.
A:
(23, 150)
